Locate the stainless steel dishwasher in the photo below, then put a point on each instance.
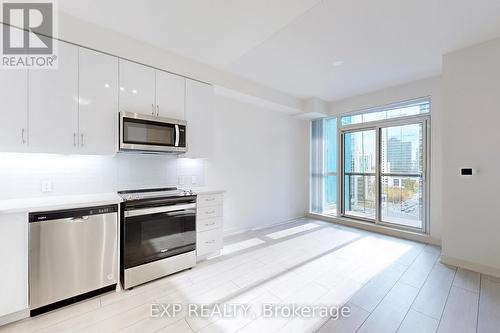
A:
(72, 255)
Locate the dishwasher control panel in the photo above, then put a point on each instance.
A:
(78, 212)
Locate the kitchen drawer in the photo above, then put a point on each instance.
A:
(209, 212)
(208, 224)
(209, 241)
(207, 200)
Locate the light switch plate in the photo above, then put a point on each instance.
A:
(181, 180)
(194, 180)
(46, 186)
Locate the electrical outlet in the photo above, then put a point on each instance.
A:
(182, 180)
(46, 186)
(194, 180)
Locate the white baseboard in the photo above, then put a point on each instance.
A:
(483, 269)
(414, 236)
(4, 320)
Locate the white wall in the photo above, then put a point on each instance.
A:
(471, 232)
(261, 158)
(428, 87)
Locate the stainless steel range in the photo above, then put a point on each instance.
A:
(158, 234)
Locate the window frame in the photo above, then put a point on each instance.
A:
(424, 118)
(386, 107)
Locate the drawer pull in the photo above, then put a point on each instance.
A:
(209, 224)
(210, 212)
(210, 242)
(210, 199)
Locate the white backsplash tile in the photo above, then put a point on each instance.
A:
(21, 175)
(191, 172)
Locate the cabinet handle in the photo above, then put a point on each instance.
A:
(209, 199)
(210, 242)
(157, 110)
(23, 131)
(74, 139)
(210, 212)
(209, 224)
(153, 109)
(81, 135)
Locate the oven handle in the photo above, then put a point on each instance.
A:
(155, 210)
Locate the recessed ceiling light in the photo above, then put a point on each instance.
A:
(337, 63)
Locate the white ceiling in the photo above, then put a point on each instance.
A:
(290, 45)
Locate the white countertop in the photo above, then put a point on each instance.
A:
(57, 202)
(207, 190)
(37, 204)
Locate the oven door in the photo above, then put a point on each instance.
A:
(155, 233)
(147, 133)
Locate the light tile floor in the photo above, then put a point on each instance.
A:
(389, 285)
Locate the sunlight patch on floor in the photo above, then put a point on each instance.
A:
(243, 245)
(292, 231)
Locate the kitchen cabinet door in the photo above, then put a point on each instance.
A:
(53, 104)
(98, 96)
(14, 110)
(14, 262)
(137, 88)
(170, 95)
(199, 117)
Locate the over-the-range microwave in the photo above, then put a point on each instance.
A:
(150, 134)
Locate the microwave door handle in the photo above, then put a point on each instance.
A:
(177, 135)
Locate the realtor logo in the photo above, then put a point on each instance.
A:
(27, 34)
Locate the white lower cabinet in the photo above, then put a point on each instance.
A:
(210, 200)
(209, 223)
(209, 241)
(209, 212)
(14, 263)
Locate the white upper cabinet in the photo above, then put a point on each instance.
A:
(199, 117)
(137, 88)
(98, 99)
(14, 109)
(53, 104)
(73, 109)
(170, 95)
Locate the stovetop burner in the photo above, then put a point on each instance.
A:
(152, 193)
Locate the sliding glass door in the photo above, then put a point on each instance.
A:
(402, 182)
(359, 166)
(383, 168)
